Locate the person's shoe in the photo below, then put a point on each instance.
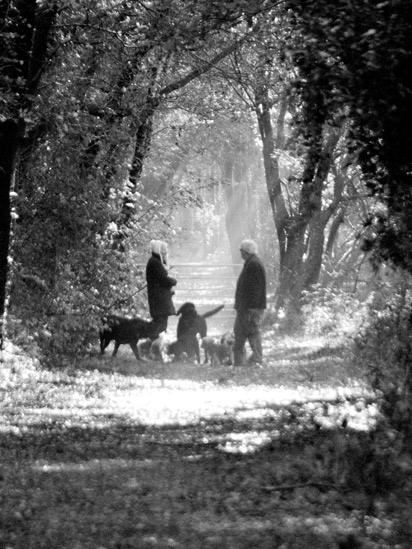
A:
(253, 362)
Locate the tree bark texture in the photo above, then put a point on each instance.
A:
(300, 234)
(271, 164)
(29, 27)
(9, 137)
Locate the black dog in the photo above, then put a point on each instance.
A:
(190, 324)
(126, 330)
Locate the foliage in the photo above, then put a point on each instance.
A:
(309, 185)
(84, 135)
(356, 58)
(133, 124)
(58, 309)
(383, 348)
(333, 312)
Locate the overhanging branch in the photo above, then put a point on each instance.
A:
(195, 73)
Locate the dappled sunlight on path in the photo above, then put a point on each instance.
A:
(183, 402)
(187, 455)
(302, 384)
(296, 373)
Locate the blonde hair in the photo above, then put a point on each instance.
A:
(156, 246)
(159, 247)
(164, 253)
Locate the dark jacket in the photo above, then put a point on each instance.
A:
(251, 285)
(159, 286)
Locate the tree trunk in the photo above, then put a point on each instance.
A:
(26, 30)
(306, 234)
(9, 140)
(141, 149)
(334, 230)
(290, 229)
(320, 218)
(299, 233)
(271, 164)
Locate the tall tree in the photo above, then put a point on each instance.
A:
(107, 67)
(24, 42)
(301, 210)
(368, 48)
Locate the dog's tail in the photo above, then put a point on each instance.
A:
(212, 312)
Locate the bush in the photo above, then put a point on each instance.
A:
(383, 348)
(332, 312)
(59, 324)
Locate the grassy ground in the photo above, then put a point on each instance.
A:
(106, 455)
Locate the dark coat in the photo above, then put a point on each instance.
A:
(159, 285)
(251, 285)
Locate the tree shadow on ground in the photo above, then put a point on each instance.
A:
(218, 483)
(84, 463)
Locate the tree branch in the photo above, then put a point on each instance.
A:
(195, 73)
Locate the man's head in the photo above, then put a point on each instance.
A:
(248, 248)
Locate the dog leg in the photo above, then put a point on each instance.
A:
(135, 350)
(104, 342)
(116, 348)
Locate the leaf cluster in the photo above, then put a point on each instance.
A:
(354, 60)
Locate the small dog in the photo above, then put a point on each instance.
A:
(154, 349)
(190, 324)
(218, 351)
(126, 330)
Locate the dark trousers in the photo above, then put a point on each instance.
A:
(160, 323)
(247, 328)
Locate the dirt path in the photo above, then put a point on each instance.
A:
(187, 456)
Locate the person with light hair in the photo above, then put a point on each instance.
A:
(250, 303)
(159, 285)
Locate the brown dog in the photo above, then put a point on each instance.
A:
(218, 351)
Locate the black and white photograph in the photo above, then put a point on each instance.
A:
(205, 274)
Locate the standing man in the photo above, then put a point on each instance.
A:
(159, 286)
(250, 303)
